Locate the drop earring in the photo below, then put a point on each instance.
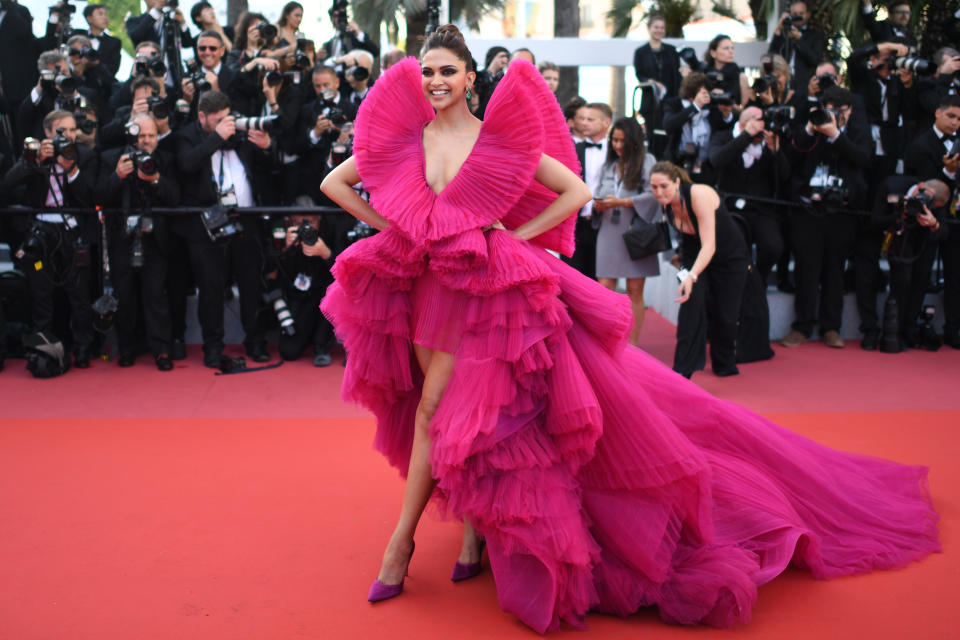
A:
(469, 95)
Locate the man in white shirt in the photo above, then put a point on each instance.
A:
(593, 122)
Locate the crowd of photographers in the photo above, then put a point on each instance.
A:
(211, 118)
(834, 170)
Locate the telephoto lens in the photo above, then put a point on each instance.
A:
(274, 298)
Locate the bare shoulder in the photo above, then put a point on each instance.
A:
(704, 198)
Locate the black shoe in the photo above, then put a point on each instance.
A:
(952, 338)
(871, 341)
(178, 350)
(321, 358)
(785, 286)
(81, 358)
(258, 352)
(723, 373)
(212, 359)
(126, 359)
(164, 363)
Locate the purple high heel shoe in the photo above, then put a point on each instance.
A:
(380, 591)
(465, 571)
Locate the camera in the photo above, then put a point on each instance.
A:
(821, 116)
(765, 82)
(85, 124)
(31, 150)
(63, 146)
(158, 107)
(73, 104)
(263, 123)
(916, 65)
(87, 52)
(307, 234)
(357, 73)
(267, 32)
(333, 112)
(48, 80)
(144, 66)
(787, 23)
(338, 15)
(689, 58)
(143, 161)
(276, 78)
(301, 61)
(914, 205)
(66, 83)
(136, 227)
(274, 298)
(218, 223)
(198, 76)
(779, 119)
(64, 10)
(831, 191)
(360, 231)
(826, 81)
(339, 152)
(40, 238)
(687, 157)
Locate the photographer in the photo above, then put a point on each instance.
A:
(56, 173)
(85, 62)
(349, 37)
(148, 97)
(219, 167)
(87, 123)
(689, 120)
(204, 17)
(750, 162)
(104, 44)
(801, 45)
(495, 65)
(657, 65)
(250, 59)
(146, 27)
(945, 82)
(934, 152)
(831, 154)
(896, 28)
(357, 73)
(136, 178)
(303, 276)
(724, 73)
(212, 72)
(147, 63)
(57, 90)
(912, 213)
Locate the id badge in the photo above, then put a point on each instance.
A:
(302, 282)
(228, 198)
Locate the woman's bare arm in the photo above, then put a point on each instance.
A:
(704, 201)
(338, 185)
(572, 195)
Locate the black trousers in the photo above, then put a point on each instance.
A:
(311, 326)
(584, 258)
(821, 244)
(711, 312)
(866, 256)
(180, 283)
(908, 285)
(145, 285)
(59, 271)
(245, 254)
(767, 234)
(950, 250)
(208, 262)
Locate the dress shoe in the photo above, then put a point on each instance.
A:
(321, 358)
(178, 349)
(723, 373)
(380, 591)
(794, 339)
(164, 363)
(212, 359)
(466, 570)
(832, 339)
(258, 352)
(871, 340)
(81, 358)
(126, 359)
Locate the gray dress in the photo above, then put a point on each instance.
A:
(613, 261)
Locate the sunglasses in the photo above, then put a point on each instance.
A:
(208, 48)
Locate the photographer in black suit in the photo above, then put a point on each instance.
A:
(57, 90)
(896, 28)
(136, 178)
(147, 25)
(749, 161)
(57, 255)
(801, 45)
(219, 167)
(912, 213)
(831, 154)
(106, 45)
(690, 120)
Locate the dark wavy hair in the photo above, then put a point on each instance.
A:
(286, 11)
(243, 25)
(630, 161)
(708, 54)
(448, 37)
(672, 171)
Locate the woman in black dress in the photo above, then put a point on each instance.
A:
(719, 59)
(713, 257)
(659, 63)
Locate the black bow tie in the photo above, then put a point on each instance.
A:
(594, 145)
(949, 139)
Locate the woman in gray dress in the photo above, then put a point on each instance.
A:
(624, 191)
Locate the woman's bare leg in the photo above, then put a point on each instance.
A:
(437, 366)
(609, 283)
(635, 293)
(470, 552)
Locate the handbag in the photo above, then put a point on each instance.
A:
(644, 239)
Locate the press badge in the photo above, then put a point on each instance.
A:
(302, 282)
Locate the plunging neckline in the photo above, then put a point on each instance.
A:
(423, 160)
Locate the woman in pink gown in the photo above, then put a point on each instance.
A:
(504, 389)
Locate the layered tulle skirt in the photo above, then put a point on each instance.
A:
(601, 479)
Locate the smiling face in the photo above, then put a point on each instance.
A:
(665, 190)
(210, 51)
(657, 30)
(444, 78)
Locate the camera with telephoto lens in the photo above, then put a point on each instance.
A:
(218, 223)
(152, 66)
(714, 81)
(137, 226)
(158, 107)
(143, 161)
(274, 298)
(85, 124)
(820, 116)
(48, 81)
(66, 83)
(360, 231)
(301, 60)
(787, 24)
(833, 191)
(826, 81)
(261, 123)
(307, 235)
(31, 150)
(916, 65)
(198, 76)
(266, 31)
(338, 15)
(913, 206)
(357, 73)
(763, 83)
(87, 52)
(333, 112)
(779, 119)
(63, 146)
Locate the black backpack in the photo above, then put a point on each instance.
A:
(46, 357)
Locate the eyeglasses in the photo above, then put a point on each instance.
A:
(208, 48)
(901, 12)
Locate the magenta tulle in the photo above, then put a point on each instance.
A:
(600, 479)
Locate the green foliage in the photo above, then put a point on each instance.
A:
(620, 17)
(117, 10)
(676, 14)
(370, 14)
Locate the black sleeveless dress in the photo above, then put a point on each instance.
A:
(720, 287)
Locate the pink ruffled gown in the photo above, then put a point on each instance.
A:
(600, 479)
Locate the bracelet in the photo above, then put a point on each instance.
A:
(694, 276)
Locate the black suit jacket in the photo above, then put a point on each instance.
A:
(847, 157)
(809, 50)
(901, 101)
(313, 157)
(143, 27)
(924, 158)
(764, 178)
(18, 54)
(109, 50)
(883, 31)
(133, 193)
(668, 73)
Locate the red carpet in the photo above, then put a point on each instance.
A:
(139, 504)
